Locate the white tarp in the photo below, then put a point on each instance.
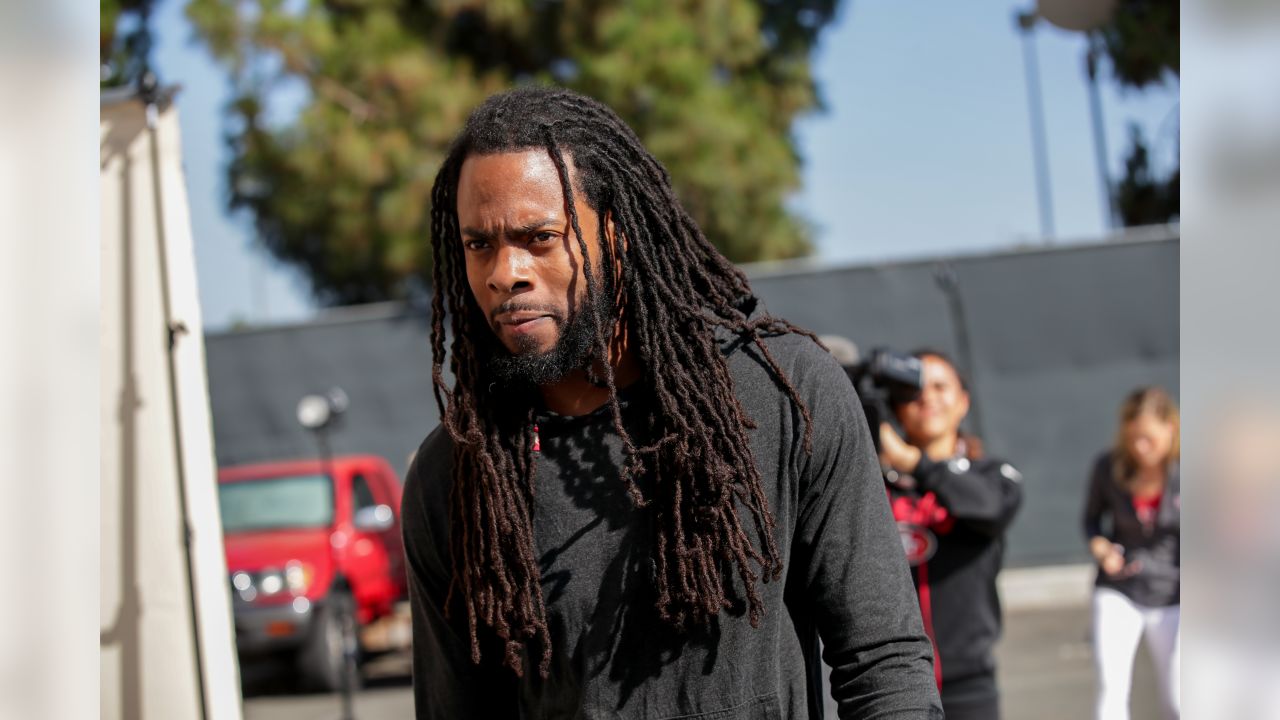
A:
(166, 638)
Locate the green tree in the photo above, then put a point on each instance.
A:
(1142, 198)
(343, 190)
(124, 40)
(1141, 41)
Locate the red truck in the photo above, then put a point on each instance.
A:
(315, 556)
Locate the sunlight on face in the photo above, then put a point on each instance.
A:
(523, 263)
(941, 406)
(1149, 440)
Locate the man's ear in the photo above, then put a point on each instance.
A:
(611, 232)
(612, 236)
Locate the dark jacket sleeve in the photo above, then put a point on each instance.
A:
(446, 683)
(1095, 503)
(983, 495)
(853, 567)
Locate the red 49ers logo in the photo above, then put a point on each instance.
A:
(920, 519)
(918, 542)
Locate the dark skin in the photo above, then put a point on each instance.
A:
(521, 268)
(524, 265)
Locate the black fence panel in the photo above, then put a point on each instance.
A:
(1054, 338)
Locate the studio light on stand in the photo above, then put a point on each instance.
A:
(320, 415)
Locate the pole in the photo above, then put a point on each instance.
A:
(349, 644)
(944, 274)
(1026, 23)
(1109, 216)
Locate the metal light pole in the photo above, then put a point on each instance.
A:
(1086, 16)
(318, 413)
(1109, 215)
(944, 274)
(1026, 22)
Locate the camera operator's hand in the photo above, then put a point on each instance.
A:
(896, 452)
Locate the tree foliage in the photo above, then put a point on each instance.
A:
(1141, 197)
(124, 40)
(342, 190)
(1141, 41)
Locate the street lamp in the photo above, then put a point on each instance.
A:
(1078, 15)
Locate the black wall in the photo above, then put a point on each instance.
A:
(1057, 337)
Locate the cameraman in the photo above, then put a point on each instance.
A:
(952, 505)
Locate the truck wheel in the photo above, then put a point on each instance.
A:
(322, 661)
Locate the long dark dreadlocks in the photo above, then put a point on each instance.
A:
(678, 289)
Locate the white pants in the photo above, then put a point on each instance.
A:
(1118, 625)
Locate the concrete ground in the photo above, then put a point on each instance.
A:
(1045, 668)
(1045, 665)
(1045, 661)
(387, 694)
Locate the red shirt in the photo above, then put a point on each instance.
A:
(1146, 507)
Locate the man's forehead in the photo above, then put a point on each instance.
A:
(527, 173)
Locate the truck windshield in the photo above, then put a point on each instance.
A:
(297, 501)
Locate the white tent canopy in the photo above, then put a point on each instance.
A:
(166, 635)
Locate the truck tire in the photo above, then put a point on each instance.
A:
(322, 661)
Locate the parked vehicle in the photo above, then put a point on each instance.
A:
(316, 562)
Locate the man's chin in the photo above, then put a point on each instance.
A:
(528, 346)
(542, 355)
(528, 368)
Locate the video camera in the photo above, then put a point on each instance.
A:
(884, 379)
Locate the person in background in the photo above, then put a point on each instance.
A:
(1134, 491)
(953, 505)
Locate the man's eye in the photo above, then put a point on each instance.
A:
(543, 237)
(475, 244)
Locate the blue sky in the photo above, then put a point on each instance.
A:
(924, 148)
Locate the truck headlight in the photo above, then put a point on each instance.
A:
(243, 583)
(270, 582)
(298, 577)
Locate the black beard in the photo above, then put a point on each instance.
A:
(574, 350)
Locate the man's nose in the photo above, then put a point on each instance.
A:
(512, 270)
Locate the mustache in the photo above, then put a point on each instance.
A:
(513, 306)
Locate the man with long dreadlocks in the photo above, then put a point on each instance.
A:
(647, 497)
